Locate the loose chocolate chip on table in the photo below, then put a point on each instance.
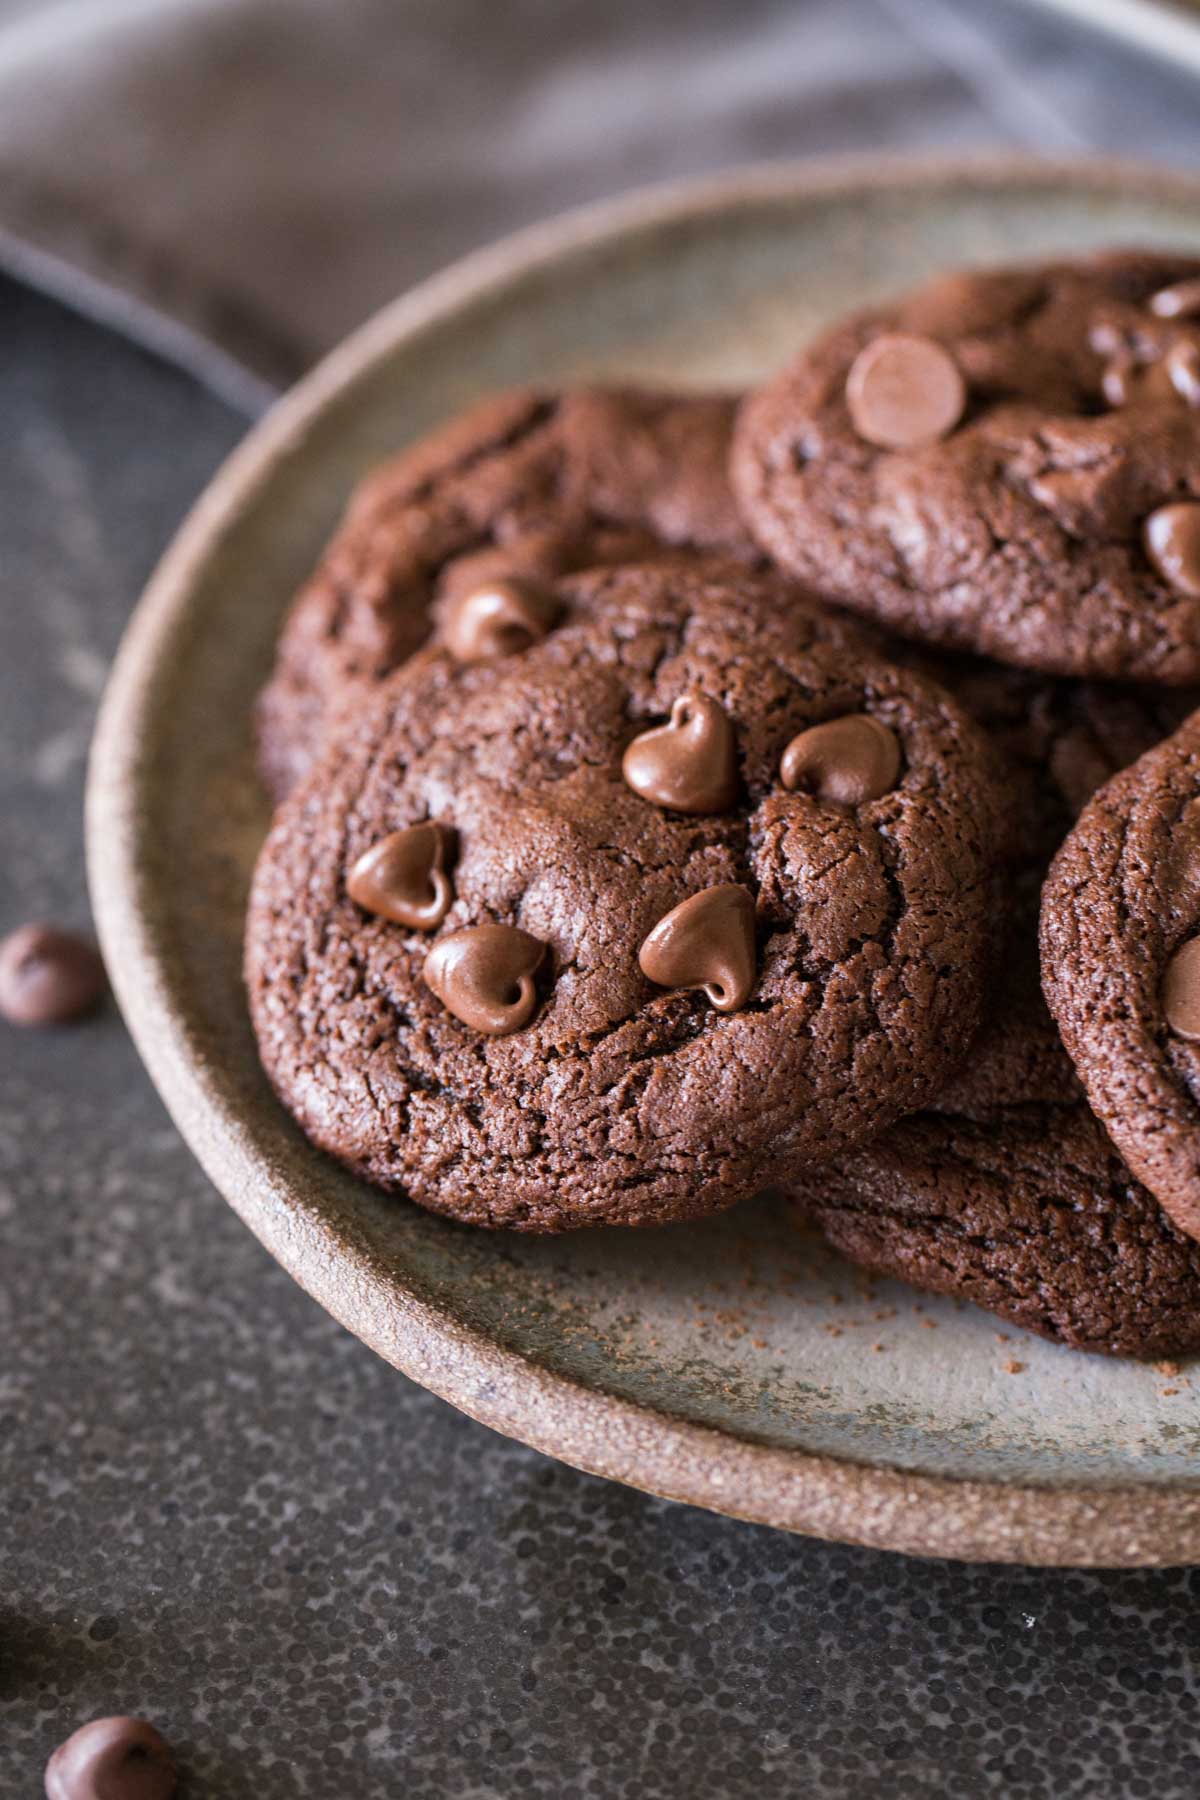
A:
(403, 877)
(112, 1759)
(499, 618)
(904, 391)
(707, 941)
(484, 976)
(1181, 992)
(844, 762)
(1171, 537)
(48, 976)
(1181, 301)
(690, 763)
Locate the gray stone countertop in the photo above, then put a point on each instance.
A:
(220, 1510)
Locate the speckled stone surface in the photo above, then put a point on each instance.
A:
(222, 1511)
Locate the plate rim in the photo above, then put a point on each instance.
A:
(836, 1499)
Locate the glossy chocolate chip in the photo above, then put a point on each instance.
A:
(843, 762)
(403, 877)
(689, 764)
(1172, 541)
(499, 618)
(1180, 301)
(1175, 376)
(112, 1759)
(1126, 380)
(1181, 992)
(1182, 364)
(904, 391)
(484, 976)
(48, 976)
(707, 941)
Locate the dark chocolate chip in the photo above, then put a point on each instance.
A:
(112, 1759)
(690, 763)
(48, 976)
(1181, 992)
(707, 941)
(484, 976)
(1172, 541)
(844, 762)
(403, 877)
(1180, 301)
(904, 391)
(499, 618)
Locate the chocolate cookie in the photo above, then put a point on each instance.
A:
(693, 892)
(1008, 1193)
(1061, 739)
(523, 485)
(1005, 461)
(1120, 940)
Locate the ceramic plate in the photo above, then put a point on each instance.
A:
(1165, 28)
(732, 1365)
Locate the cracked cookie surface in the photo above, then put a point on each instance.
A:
(1120, 909)
(1006, 1192)
(623, 1101)
(1060, 740)
(524, 483)
(1016, 527)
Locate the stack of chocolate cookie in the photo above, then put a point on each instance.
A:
(619, 871)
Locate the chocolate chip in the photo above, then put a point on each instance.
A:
(707, 941)
(403, 877)
(844, 762)
(1174, 376)
(1171, 537)
(112, 1759)
(484, 976)
(690, 763)
(1181, 301)
(1183, 367)
(499, 618)
(1126, 379)
(1181, 992)
(48, 976)
(904, 391)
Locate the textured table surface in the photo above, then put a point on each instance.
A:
(218, 1509)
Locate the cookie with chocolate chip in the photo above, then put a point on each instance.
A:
(1006, 1192)
(694, 891)
(1005, 461)
(523, 486)
(1120, 936)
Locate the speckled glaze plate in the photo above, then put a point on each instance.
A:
(735, 1365)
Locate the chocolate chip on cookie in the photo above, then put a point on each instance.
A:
(1120, 921)
(688, 764)
(498, 618)
(1005, 1190)
(472, 524)
(636, 1007)
(707, 942)
(1005, 461)
(403, 877)
(903, 391)
(844, 761)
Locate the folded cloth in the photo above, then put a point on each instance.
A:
(270, 170)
